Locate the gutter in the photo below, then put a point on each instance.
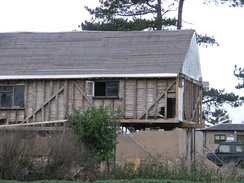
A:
(90, 76)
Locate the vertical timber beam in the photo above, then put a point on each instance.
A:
(201, 121)
(34, 99)
(135, 99)
(43, 99)
(145, 99)
(49, 104)
(66, 92)
(155, 99)
(57, 102)
(26, 100)
(166, 102)
(122, 90)
(73, 96)
(177, 97)
(82, 96)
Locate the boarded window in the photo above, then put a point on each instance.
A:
(11, 96)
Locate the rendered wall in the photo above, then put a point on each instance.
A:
(163, 145)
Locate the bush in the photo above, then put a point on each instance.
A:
(26, 156)
(96, 130)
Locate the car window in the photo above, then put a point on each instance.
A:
(239, 148)
(224, 148)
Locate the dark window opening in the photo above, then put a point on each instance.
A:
(3, 121)
(162, 111)
(11, 96)
(171, 107)
(107, 88)
(100, 89)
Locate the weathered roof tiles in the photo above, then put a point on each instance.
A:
(107, 54)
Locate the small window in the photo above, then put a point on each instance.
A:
(11, 96)
(219, 138)
(103, 88)
(240, 138)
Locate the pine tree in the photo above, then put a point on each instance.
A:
(239, 73)
(213, 105)
(128, 15)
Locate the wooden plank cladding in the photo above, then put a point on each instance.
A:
(145, 99)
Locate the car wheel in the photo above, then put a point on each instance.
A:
(241, 165)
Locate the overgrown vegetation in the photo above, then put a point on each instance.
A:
(31, 156)
(184, 170)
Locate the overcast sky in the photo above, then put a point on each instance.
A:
(222, 22)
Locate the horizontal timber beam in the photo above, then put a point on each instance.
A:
(33, 123)
(149, 121)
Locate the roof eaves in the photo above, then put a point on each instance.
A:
(154, 75)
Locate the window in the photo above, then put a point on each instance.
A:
(224, 149)
(90, 88)
(240, 138)
(239, 148)
(11, 96)
(219, 138)
(102, 88)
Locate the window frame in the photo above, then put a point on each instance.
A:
(92, 87)
(225, 149)
(217, 141)
(13, 97)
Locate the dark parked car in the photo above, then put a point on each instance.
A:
(228, 152)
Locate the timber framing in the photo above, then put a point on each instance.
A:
(154, 77)
(143, 101)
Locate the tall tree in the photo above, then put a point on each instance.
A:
(131, 15)
(239, 73)
(180, 12)
(213, 105)
(234, 3)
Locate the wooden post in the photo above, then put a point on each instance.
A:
(57, 102)
(122, 90)
(145, 97)
(34, 100)
(177, 97)
(73, 97)
(43, 89)
(66, 95)
(26, 100)
(135, 99)
(155, 100)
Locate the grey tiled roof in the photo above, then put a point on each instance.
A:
(225, 127)
(86, 53)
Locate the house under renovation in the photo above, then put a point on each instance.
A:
(154, 76)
